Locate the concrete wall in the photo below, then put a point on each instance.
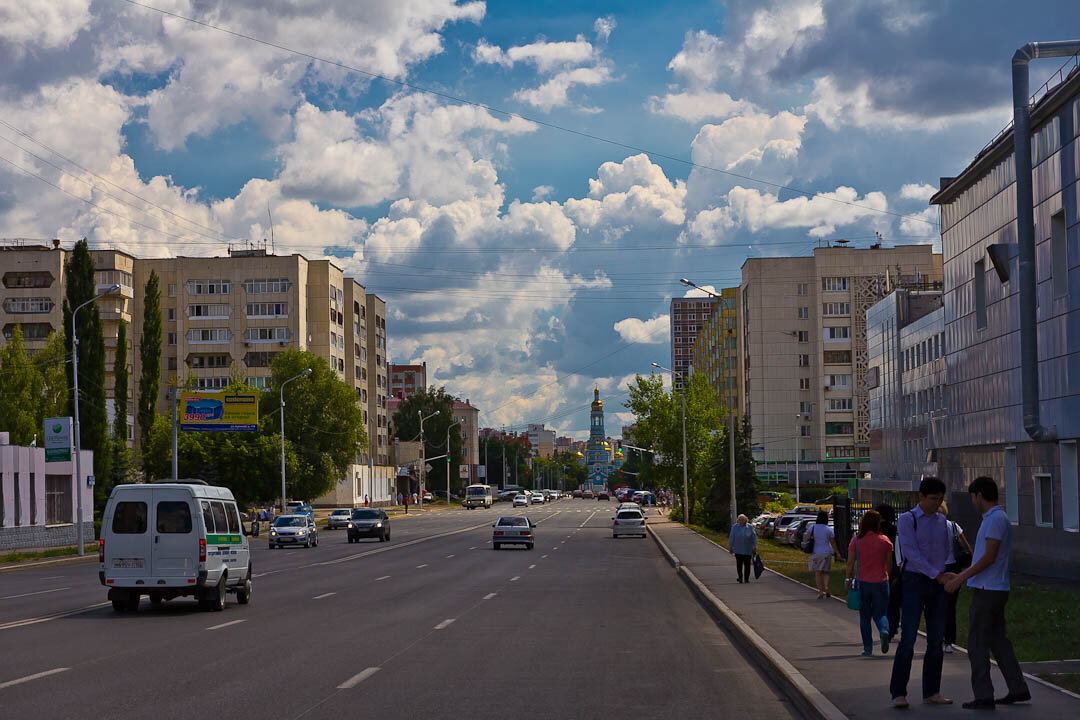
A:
(28, 525)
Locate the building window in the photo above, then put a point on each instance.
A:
(58, 499)
(804, 336)
(804, 431)
(804, 361)
(197, 336)
(839, 428)
(259, 382)
(1070, 502)
(1059, 254)
(212, 310)
(838, 333)
(837, 357)
(804, 383)
(259, 359)
(172, 291)
(805, 406)
(804, 313)
(114, 277)
(208, 287)
(267, 334)
(836, 309)
(32, 279)
(803, 289)
(20, 306)
(267, 309)
(30, 331)
(1044, 500)
(980, 295)
(841, 381)
(172, 315)
(262, 286)
(18, 501)
(1012, 500)
(840, 404)
(834, 284)
(213, 383)
(172, 338)
(170, 363)
(210, 361)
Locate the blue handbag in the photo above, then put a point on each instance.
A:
(854, 594)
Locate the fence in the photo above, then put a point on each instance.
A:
(847, 514)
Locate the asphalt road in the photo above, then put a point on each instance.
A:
(433, 623)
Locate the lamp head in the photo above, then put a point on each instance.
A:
(686, 282)
(656, 365)
(114, 288)
(307, 371)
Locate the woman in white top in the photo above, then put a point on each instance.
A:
(959, 541)
(824, 551)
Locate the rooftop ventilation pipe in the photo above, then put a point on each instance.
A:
(1025, 228)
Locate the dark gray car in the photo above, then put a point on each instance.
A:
(368, 522)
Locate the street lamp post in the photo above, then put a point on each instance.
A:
(798, 433)
(448, 465)
(78, 440)
(420, 413)
(282, 396)
(685, 484)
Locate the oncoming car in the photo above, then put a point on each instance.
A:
(369, 522)
(294, 530)
(338, 519)
(521, 501)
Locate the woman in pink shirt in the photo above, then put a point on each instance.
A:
(875, 557)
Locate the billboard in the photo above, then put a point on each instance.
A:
(218, 412)
(58, 439)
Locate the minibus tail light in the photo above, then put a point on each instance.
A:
(202, 550)
(101, 551)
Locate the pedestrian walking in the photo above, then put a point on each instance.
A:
(888, 529)
(742, 543)
(823, 550)
(923, 536)
(959, 559)
(406, 503)
(871, 576)
(988, 578)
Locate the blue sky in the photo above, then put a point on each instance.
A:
(510, 253)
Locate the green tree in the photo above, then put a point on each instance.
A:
(93, 414)
(718, 507)
(322, 420)
(121, 458)
(20, 391)
(50, 362)
(150, 360)
(406, 422)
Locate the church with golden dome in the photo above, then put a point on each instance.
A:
(598, 455)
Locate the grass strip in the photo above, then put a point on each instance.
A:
(42, 555)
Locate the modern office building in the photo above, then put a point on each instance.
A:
(804, 355)
(686, 318)
(905, 340)
(716, 349)
(1012, 350)
(407, 379)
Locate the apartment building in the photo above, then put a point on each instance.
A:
(378, 368)
(541, 441)
(686, 317)
(716, 353)
(469, 417)
(905, 339)
(1013, 407)
(804, 355)
(407, 379)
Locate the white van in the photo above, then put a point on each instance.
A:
(478, 496)
(169, 539)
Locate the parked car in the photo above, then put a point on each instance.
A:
(338, 519)
(294, 530)
(791, 535)
(428, 497)
(628, 521)
(513, 530)
(768, 528)
(520, 500)
(369, 522)
(801, 530)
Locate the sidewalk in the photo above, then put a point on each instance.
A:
(821, 643)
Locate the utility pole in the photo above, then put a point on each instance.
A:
(731, 444)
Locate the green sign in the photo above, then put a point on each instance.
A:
(224, 539)
(58, 439)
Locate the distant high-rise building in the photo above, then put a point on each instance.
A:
(686, 318)
(541, 441)
(716, 350)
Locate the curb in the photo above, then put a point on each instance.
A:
(810, 701)
(52, 561)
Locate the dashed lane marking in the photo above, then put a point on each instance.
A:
(384, 577)
(358, 678)
(421, 566)
(324, 595)
(473, 547)
(39, 592)
(223, 625)
(543, 556)
(445, 623)
(516, 577)
(53, 616)
(490, 595)
(449, 556)
(35, 676)
(532, 566)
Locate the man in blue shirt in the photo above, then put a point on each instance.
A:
(922, 535)
(988, 578)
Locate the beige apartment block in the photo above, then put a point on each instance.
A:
(378, 375)
(716, 351)
(32, 275)
(804, 354)
(469, 417)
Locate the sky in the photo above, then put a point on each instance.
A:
(524, 183)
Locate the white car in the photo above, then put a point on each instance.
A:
(537, 498)
(521, 501)
(513, 530)
(628, 521)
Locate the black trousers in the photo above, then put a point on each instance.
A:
(950, 610)
(986, 634)
(742, 566)
(895, 596)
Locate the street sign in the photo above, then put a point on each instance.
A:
(481, 471)
(218, 412)
(58, 439)
(89, 481)
(427, 467)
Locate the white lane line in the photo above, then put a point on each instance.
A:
(35, 676)
(555, 548)
(52, 577)
(421, 566)
(54, 616)
(588, 519)
(358, 678)
(490, 595)
(445, 623)
(562, 542)
(473, 547)
(395, 546)
(449, 556)
(218, 627)
(324, 595)
(543, 556)
(384, 577)
(516, 577)
(532, 566)
(39, 592)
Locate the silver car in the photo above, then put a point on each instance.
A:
(338, 519)
(628, 521)
(294, 530)
(513, 530)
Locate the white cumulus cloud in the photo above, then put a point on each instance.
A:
(653, 331)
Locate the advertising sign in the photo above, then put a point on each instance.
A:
(463, 471)
(218, 412)
(58, 439)
(481, 471)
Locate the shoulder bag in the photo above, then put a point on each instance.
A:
(960, 551)
(895, 583)
(854, 593)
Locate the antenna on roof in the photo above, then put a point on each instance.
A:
(842, 242)
(273, 247)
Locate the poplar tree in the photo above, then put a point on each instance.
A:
(120, 402)
(150, 359)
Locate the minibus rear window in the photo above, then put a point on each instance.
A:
(219, 516)
(129, 518)
(173, 516)
(234, 519)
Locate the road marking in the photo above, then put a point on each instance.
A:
(516, 577)
(218, 627)
(445, 623)
(35, 676)
(532, 566)
(39, 592)
(543, 556)
(490, 595)
(555, 548)
(449, 556)
(324, 595)
(421, 566)
(588, 519)
(395, 546)
(358, 678)
(384, 577)
(473, 547)
(54, 616)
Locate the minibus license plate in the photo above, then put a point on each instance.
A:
(127, 562)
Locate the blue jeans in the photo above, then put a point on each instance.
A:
(921, 594)
(875, 605)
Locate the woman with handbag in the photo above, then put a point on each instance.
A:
(869, 559)
(959, 559)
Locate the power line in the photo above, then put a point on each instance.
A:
(512, 114)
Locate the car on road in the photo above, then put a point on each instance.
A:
(576, 493)
(428, 497)
(294, 530)
(521, 500)
(173, 539)
(537, 498)
(305, 509)
(628, 521)
(338, 519)
(369, 522)
(513, 530)
(587, 494)
(478, 495)
(291, 505)
(603, 495)
(629, 506)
